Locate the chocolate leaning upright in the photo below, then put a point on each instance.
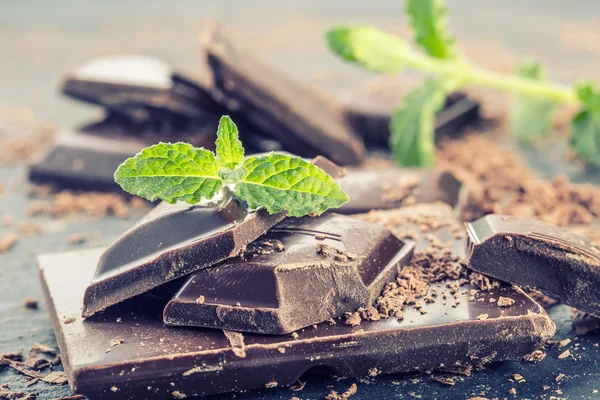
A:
(538, 255)
(170, 242)
(307, 123)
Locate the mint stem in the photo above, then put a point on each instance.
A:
(467, 74)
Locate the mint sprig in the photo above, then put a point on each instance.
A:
(532, 110)
(180, 172)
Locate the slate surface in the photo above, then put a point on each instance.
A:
(41, 40)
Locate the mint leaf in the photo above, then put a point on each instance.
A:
(171, 172)
(280, 182)
(230, 152)
(429, 19)
(530, 117)
(369, 47)
(412, 125)
(585, 126)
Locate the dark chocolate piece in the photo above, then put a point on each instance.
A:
(302, 272)
(140, 87)
(170, 242)
(534, 254)
(388, 188)
(369, 107)
(87, 158)
(155, 360)
(307, 123)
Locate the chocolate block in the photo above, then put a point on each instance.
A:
(537, 255)
(172, 241)
(307, 123)
(369, 107)
(388, 188)
(87, 158)
(140, 87)
(302, 272)
(158, 361)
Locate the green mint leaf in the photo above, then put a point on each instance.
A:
(281, 182)
(171, 172)
(585, 127)
(412, 138)
(230, 152)
(369, 47)
(530, 117)
(429, 19)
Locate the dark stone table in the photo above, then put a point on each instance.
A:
(41, 40)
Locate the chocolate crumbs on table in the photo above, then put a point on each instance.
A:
(76, 238)
(6, 394)
(559, 377)
(68, 320)
(535, 357)
(8, 241)
(31, 303)
(564, 354)
(333, 395)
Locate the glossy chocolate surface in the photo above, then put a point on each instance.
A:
(389, 188)
(534, 254)
(156, 360)
(306, 122)
(283, 283)
(369, 107)
(173, 240)
(140, 87)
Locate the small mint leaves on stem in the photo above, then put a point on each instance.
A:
(412, 127)
(180, 172)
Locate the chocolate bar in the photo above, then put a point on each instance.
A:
(172, 241)
(537, 255)
(388, 188)
(302, 272)
(369, 107)
(140, 87)
(127, 351)
(87, 158)
(304, 121)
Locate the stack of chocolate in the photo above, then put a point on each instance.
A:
(214, 298)
(217, 297)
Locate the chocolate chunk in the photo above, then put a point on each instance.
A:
(388, 188)
(140, 87)
(198, 361)
(369, 107)
(280, 292)
(538, 255)
(88, 158)
(170, 242)
(304, 121)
